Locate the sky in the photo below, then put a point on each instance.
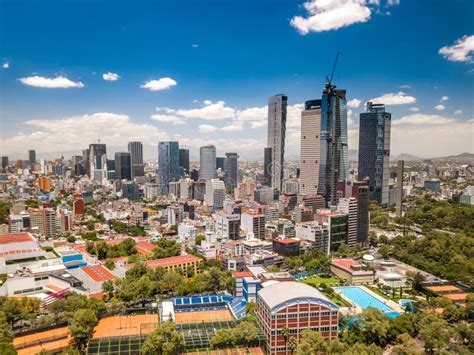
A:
(199, 72)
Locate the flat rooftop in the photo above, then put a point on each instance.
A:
(10, 238)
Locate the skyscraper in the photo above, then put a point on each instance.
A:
(231, 170)
(276, 137)
(334, 161)
(136, 158)
(32, 156)
(267, 167)
(220, 163)
(184, 160)
(97, 159)
(374, 151)
(123, 166)
(168, 164)
(207, 162)
(310, 147)
(4, 161)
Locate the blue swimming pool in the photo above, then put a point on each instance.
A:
(362, 298)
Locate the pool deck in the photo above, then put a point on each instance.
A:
(356, 309)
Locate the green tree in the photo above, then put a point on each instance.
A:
(82, 326)
(405, 345)
(108, 288)
(165, 340)
(6, 334)
(224, 338)
(109, 264)
(292, 344)
(247, 332)
(453, 314)
(311, 342)
(434, 332)
(376, 327)
(200, 238)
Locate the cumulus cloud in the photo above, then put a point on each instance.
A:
(6, 65)
(405, 86)
(109, 76)
(399, 98)
(69, 133)
(195, 45)
(460, 51)
(422, 119)
(168, 119)
(160, 84)
(207, 128)
(440, 107)
(458, 112)
(414, 109)
(354, 103)
(326, 15)
(444, 98)
(59, 82)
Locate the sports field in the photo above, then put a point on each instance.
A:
(140, 324)
(52, 340)
(236, 351)
(203, 316)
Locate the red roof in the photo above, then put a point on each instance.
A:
(16, 238)
(174, 260)
(145, 247)
(240, 274)
(98, 273)
(345, 263)
(288, 241)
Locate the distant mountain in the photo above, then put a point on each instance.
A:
(406, 157)
(461, 158)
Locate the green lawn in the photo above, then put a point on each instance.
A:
(316, 281)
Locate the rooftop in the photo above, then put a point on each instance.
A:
(286, 291)
(98, 273)
(16, 238)
(174, 260)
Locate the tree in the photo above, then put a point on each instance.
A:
(170, 281)
(292, 344)
(434, 332)
(224, 338)
(7, 348)
(163, 341)
(247, 332)
(6, 334)
(470, 307)
(311, 342)
(376, 327)
(405, 346)
(109, 264)
(108, 288)
(415, 279)
(82, 326)
(200, 238)
(453, 314)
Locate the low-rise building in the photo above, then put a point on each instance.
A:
(352, 271)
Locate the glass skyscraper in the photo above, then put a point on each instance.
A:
(123, 166)
(184, 159)
(277, 106)
(334, 161)
(168, 164)
(207, 162)
(231, 170)
(136, 155)
(374, 151)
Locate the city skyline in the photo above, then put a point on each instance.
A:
(428, 88)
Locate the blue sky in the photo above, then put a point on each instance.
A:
(219, 61)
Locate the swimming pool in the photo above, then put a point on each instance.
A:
(361, 298)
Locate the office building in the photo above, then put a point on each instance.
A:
(314, 232)
(399, 187)
(297, 307)
(4, 161)
(276, 138)
(334, 160)
(207, 162)
(227, 225)
(32, 157)
(184, 160)
(215, 193)
(136, 158)
(374, 151)
(310, 148)
(267, 167)
(168, 164)
(130, 190)
(348, 206)
(352, 271)
(96, 161)
(220, 163)
(231, 170)
(253, 223)
(123, 168)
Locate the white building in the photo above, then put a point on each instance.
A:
(253, 223)
(215, 193)
(227, 225)
(314, 232)
(349, 206)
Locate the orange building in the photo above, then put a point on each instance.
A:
(44, 183)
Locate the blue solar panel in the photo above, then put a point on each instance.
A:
(186, 301)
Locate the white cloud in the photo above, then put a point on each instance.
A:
(350, 119)
(207, 102)
(460, 51)
(168, 119)
(207, 128)
(440, 107)
(458, 112)
(326, 15)
(422, 119)
(59, 82)
(195, 45)
(399, 98)
(69, 133)
(414, 109)
(354, 103)
(109, 76)
(405, 86)
(233, 127)
(195, 101)
(257, 124)
(212, 111)
(160, 84)
(6, 65)
(444, 98)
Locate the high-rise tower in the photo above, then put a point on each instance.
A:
(374, 151)
(276, 137)
(123, 166)
(136, 158)
(334, 162)
(310, 147)
(207, 162)
(168, 164)
(230, 170)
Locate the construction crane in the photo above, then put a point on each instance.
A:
(329, 80)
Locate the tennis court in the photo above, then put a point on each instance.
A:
(125, 325)
(236, 351)
(53, 339)
(204, 316)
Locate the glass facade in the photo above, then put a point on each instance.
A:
(168, 164)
